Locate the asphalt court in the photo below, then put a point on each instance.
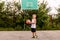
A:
(27, 35)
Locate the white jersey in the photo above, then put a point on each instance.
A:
(33, 25)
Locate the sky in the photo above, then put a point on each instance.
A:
(51, 3)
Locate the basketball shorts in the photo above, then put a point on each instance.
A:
(33, 29)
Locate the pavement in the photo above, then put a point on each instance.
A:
(27, 35)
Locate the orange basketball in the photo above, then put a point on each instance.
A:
(28, 21)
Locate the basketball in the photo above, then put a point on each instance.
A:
(28, 21)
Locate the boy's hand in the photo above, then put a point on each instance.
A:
(32, 23)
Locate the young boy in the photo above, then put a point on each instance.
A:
(33, 26)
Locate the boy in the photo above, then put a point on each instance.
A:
(33, 26)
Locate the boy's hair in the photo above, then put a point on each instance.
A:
(34, 14)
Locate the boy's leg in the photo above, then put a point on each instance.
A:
(36, 35)
(33, 35)
(35, 32)
(32, 30)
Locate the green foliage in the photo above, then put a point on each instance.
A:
(58, 14)
(42, 16)
(56, 21)
(9, 19)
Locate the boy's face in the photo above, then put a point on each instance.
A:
(34, 16)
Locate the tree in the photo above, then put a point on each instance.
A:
(43, 18)
(2, 14)
(58, 17)
(58, 14)
(11, 16)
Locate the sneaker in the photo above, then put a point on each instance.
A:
(33, 37)
(36, 36)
